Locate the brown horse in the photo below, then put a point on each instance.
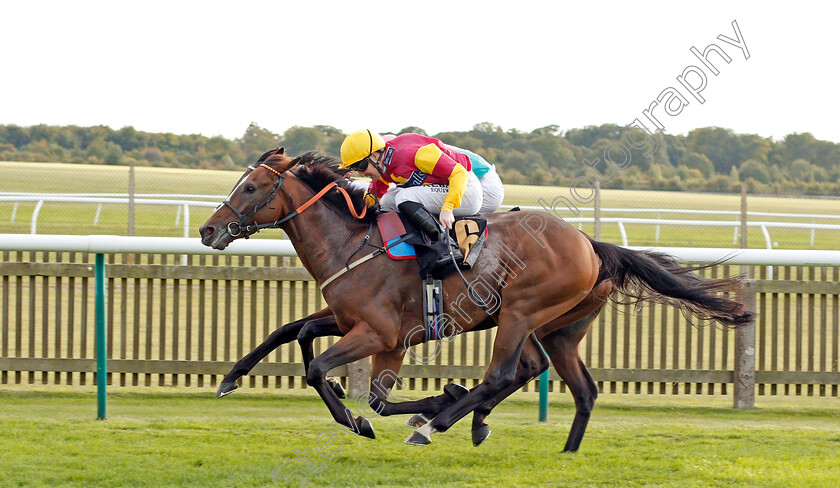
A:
(541, 282)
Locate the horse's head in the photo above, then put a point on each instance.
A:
(256, 200)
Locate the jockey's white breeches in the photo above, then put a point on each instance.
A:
(433, 196)
(493, 192)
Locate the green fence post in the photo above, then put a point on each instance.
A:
(544, 396)
(544, 390)
(101, 343)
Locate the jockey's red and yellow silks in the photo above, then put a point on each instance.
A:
(414, 160)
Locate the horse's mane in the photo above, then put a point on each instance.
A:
(318, 170)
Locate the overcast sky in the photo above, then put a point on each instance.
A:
(214, 67)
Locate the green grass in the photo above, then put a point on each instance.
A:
(160, 220)
(187, 439)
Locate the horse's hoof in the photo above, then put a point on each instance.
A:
(336, 387)
(417, 420)
(418, 439)
(456, 391)
(365, 428)
(421, 436)
(480, 434)
(226, 388)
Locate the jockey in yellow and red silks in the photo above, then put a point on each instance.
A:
(413, 160)
(430, 177)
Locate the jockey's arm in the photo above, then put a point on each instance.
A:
(457, 186)
(431, 160)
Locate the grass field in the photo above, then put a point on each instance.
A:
(160, 220)
(168, 437)
(187, 439)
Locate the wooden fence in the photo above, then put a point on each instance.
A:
(183, 321)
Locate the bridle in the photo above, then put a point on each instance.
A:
(235, 229)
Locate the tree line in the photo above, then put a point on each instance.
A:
(707, 159)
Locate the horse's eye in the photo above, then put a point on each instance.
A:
(250, 189)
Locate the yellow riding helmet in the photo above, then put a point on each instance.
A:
(359, 145)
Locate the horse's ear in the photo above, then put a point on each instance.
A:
(277, 150)
(293, 163)
(266, 154)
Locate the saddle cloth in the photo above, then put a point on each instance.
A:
(469, 232)
(391, 229)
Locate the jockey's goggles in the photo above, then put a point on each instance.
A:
(360, 165)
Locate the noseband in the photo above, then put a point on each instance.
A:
(235, 229)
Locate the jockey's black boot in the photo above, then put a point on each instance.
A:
(430, 226)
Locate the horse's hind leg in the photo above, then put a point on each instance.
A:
(384, 376)
(322, 327)
(567, 362)
(532, 362)
(562, 347)
(282, 335)
(386, 366)
(501, 374)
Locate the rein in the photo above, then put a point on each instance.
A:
(237, 228)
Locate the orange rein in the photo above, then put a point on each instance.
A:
(350, 203)
(321, 193)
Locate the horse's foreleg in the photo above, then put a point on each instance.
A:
(532, 362)
(283, 335)
(362, 341)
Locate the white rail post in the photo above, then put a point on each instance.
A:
(96, 217)
(131, 200)
(33, 226)
(743, 215)
(14, 212)
(769, 243)
(623, 232)
(658, 217)
(597, 216)
(186, 219)
(186, 228)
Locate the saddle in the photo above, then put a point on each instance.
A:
(469, 232)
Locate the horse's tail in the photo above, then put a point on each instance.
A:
(656, 277)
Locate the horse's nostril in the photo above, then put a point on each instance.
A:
(208, 230)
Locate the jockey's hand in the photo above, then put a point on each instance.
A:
(447, 219)
(370, 200)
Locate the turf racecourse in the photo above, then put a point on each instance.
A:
(169, 438)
